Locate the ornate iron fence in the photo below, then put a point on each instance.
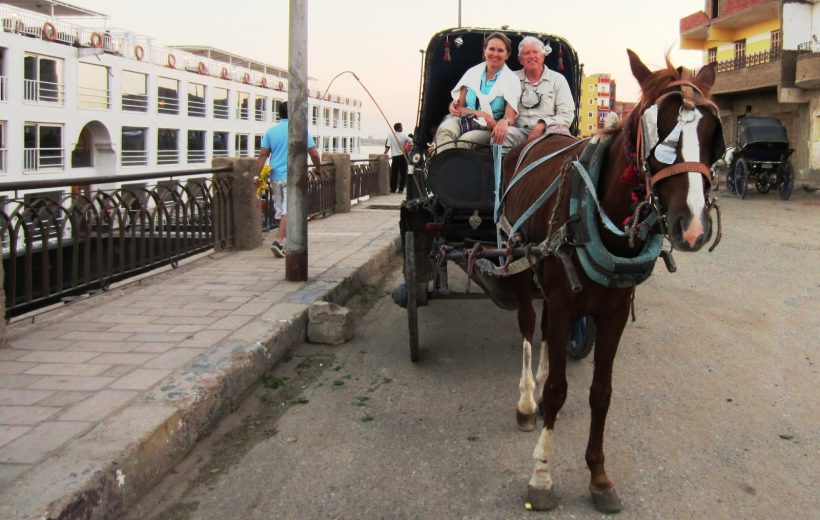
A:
(364, 179)
(749, 60)
(71, 239)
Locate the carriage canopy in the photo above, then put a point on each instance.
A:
(755, 130)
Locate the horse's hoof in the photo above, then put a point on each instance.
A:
(539, 499)
(605, 500)
(526, 422)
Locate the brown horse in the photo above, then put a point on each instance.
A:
(660, 154)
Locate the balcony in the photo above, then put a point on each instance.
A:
(752, 72)
(807, 69)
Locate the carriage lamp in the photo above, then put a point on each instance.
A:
(415, 158)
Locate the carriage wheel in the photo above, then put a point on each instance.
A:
(741, 186)
(762, 183)
(410, 281)
(786, 184)
(581, 338)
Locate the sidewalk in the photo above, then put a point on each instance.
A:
(100, 398)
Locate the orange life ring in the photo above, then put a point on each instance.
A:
(96, 40)
(338, 99)
(203, 69)
(49, 31)
(347, 101)
(172, 61)
(139, 52)
(281, 85)
(264, 81)
(318, 94)
(246, 78)
(224, 73)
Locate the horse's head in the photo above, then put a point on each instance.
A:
(679, 137)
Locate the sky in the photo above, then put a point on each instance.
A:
(380, 40)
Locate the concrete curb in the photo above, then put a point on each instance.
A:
(101, 474)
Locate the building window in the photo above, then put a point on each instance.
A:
(740, 53)
(220, 148)
(92, 87)
(589, 127)
(43, 79)
(167, 146)
(196, 146)
(275, 107)
(220, 103)
(326, 115)
(134, 91)
(241, 145)
(711, 55)
(242, 100)
(260, 107)
(314, 119)
(257, 145)
(134, 149)
(776, 42)
(43, 147)
(335, 118)
(2, 147)
(3, 79)
(589, 114)
(196, 100)
(167, 96)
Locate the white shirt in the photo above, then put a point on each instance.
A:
(550, 101)
(397, 147)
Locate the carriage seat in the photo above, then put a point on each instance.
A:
(463, 178)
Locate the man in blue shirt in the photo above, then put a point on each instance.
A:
(275, 146)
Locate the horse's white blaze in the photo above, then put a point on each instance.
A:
(542, 454)
(690, 150)
(526, 404)
(541, 374)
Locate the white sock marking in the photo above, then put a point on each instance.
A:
(526, 386)
(542, 454)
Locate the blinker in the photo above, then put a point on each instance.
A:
(665, 152)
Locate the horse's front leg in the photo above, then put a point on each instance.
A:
(526, 407)
(555, 328)
(601, 488)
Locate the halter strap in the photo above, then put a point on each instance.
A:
(677, 168)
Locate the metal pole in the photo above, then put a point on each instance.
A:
(459, 14)
(296, 255)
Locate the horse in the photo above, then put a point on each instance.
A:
(661, 155)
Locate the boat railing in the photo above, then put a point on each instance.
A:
(135, 102)
(3, 160)
(242, 112)
(219, 153)
(167, 156)
(43, 91)
(37, 159)
(4, 80)
(221, 109)
(134, 157)
(196, 108)
(168, 104)
(197, 156)
(88, 97)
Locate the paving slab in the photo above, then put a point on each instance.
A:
(101, 397)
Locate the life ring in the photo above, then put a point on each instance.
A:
(224, 73)
(347, 101)
(139, 52)
(338, 99)
(318, 94)
(49, 31)
(202, 68)
(281, 85)
(96, 40)
(264, 81)
(172, 61)
(246, 78)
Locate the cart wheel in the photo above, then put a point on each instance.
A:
(581, 338)
(740, 179)
(412, 297)
(786, 185)
(762, 183)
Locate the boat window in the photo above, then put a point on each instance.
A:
(326, 116)
(134, 149)
(257, 145)
(43, 79)
(196, 146)
(220, 103)
(43, 147)
(315, 116)
(134, 91)
(3, 76)
(2, 147)
(275, 109)
(196, 100)
(92, 86)
(167, 96)
(167, 146)
(241, 145)
(220, 148)
(260, 108)
(335, 118)
(242, 100)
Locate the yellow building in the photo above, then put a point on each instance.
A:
(597, 101)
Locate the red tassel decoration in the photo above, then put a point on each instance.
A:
(630, 175)
(447, 49)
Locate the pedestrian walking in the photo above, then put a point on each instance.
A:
(397, 145)
(275, 151)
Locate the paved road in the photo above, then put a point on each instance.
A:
(715, 407)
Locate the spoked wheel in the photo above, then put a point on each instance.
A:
(410, 276)
(762, 183)
(786, 184)
(741, 180)
(581, 338)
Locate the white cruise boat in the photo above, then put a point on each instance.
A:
(76, 101)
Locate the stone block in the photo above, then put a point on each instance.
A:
(329, 323)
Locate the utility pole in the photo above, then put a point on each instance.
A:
(296, 254)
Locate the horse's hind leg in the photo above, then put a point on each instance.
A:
(602, 490)
(526, 407)
(540, 493)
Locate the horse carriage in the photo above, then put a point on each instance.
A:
(578, 223)
(762, 152)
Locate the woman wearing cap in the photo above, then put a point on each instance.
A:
(485, 99)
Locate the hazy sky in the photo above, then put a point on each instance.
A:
(380, 39)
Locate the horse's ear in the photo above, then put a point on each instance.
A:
(639, 70)
(706, 75)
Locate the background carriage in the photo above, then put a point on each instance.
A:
(448, 213)
(762, 153)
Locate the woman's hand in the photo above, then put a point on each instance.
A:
(455, 109)
(500, 130)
